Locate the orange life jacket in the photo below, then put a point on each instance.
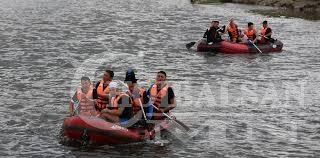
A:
(115, 100)
(86, 107)
(102, 103)
(250, 34)
(264, 30)
(263, 33)
(157, 97)
(127, 111)
(135, 103)
(233, 32)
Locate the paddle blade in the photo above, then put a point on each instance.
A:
(189, 45)
(183, 125)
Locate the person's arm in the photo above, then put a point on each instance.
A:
(268, 32)
(96, 94)
(206, 33)
(71, 104)
(172, 103)
(123, 103)
(222, 30)
(256, 34)
(145, 98)
(94, 91)
(83, 96)
(238, 31)
(71, 109)
(170, 106)
(104, 96)
(226, 30)
(117, 112)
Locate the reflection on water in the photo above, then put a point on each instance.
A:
(243, 105)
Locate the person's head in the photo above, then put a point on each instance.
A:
(113, 86)
(131, 85)
(215, 23)
(85, 83)
(265, 24)
(108, 75)
(161, 77)
(231, 22)
(250, 25)
(130, 79)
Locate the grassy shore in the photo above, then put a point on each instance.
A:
(309, 9)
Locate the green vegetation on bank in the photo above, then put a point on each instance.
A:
(295, 8)
(210, 1)
(312, 6)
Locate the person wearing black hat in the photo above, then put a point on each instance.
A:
(138, 95)
(162, 96)
(213, 34)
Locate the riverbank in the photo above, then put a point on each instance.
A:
(311, 7)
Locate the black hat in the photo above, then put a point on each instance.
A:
(130, 76)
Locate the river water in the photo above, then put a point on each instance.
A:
(240, 105)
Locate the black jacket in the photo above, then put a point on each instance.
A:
(212, 35)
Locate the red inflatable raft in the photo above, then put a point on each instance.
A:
(237, 48)
(100, 132)
(204, 47)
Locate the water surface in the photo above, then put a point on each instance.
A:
(242, 105)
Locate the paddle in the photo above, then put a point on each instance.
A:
(175, 120)
(272, 40)
(189, 45)
(143, 112)
(145, 118)
(255, 46)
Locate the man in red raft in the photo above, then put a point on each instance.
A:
(213, 33)
(82, 101)
(266, 33)
(161, 96)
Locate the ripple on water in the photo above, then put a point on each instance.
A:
(240, 105)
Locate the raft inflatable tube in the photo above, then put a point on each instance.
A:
(237, 48)
(204, 47)
(100, 132)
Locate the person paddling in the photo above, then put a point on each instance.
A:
(84, 97)
(137, 95)
(142, 112)
(162, 96)
(265, 33)
(251, 33)
(213, 34)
